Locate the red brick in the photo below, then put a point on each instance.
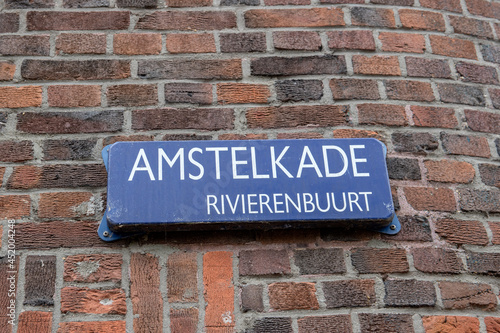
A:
(60, 21)
(349, 293)
(453, 47)
(297, 40)
(188, 20)
(353, 133)
(483, 263)
(292, 296)
(495, 97)
(325, 324)
(373, 17)
(116, 326)
(86, 300)
(495, 230)
(133, 43)
(465, 145)
(492, 324)
(382, 114)
(438, 324)
(461, 94)
(34, 321)
(401, 293)
(40, 280)
(132, 95)
(7, 70)
(376, 65)
(184, 320)
(449, 171)
(282, 2)
(23, 4)
(462, 295)
(68, 149)
(354, 89)
(212, 69)
(293, 116)
(182, 277)
(38, 45)
(241, 93)
(483, 121)
(351, 40)
(429, 198)
(68, 204)
(449, 5)
(191, 43)
(276, 66)
(387, 323)
(409, 90)
(75, 70)
(397, 42)
(9, 22)
(2, 172)
(264, 262)
(219, 290)
(484, 8)
(196, 93)
(251, 298)
(16, 151)
(421, 67)
(243, 42)
(462, 232)
(188, 3)
(14, 206)
(479, 200)
(72, 96)
(437, 260)
(490, 174)
(297, 17)
(470, 26)
(476, 73)
(371, 260)
(81, 43)
(20, 97)
(93, 268)
(422, 20)
(309, 135)
(112, 139)
(429, 116)
(298, 90)
(231, 136)
(145, 293)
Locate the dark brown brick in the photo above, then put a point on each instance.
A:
(461, 94)
(373, 17)
(449, 5)
(371, 260)
(465, 145)
(27, 4)
(170, 118)
(190, 69)
(16, 151)
(184, 320)
(275, 66)
(182, 277)
(297, 17)
(187, 20)
(40, 280)
(264, 262)
(272, 324)
(471, 26)
(479, 200)
(453, 47)
(429, 116)
(195, 93)
(34, 321)
(93, 268)
(484, 8)
(250, 136)
(490, 174)
(25, 45)
(394, 2)
(354, 89)
(325, 324)
(430, 198)
(349, 293)
(243, 42)
(132, 95)
(382, 114)
(185, 137)
(293, 116)
(462, 232)
(403, 168)
(387, 323)
(421, 67)
(476, 73)
(251, 298)
(68, 149)
(462, 295)
(285, 296)
(98, 301)
(85, 3)
(409, 90)
(376, 65)
(299, 90)
(495, 97)
(436, 260)
(188, 3)
(449, 171)
(483, 263)
(9, 22)
(483, 121)
(70, 122)
(400, 293)
(320, 261)
(147, 4)
(420, 143)
(422, 20)
(75, 70)
(297, 40)
(491, 53)
(413, 228)
(275, 2)
(351, 40)
(60, 21)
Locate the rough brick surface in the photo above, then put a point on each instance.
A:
(389, 323)
(400, 293)
(7, 70)
(93, 268)
(16, 151)
(71, 96)
(34, 321)
(449, 171)
(351, 40)
(9, 22)
(272, 324)
(324, 324)
(132, 95)
(131, 43)
(190, 43)
(320, 261)
(382, 114)
(75, 70)
(354, 89)
(436, 324)
(264, 262)
(395, 42)
(421, 20)
(292, 296)
(242, 42)
(413, 228)
(43, 20)
(182, 277)
(421, 67)
(376, 65)
(349, 293)
(251, 298)
(373, 17)
(428, 116)
(241, 93)
(297, 40)
(190, 69)
(68, 149)
(490, 174)
(40, 280)
(462, 232)
(429, 198)
(483, 121)
(275, 18)
(68, 204)
(299, 90)
(14, 206)
(81, 43)
(274, 66)
(462, 295)
(483, 263)
(196, 93)
(465, 145)
(20, 97)
(492, 324)
(188, 20)
(453, 47)
(476, 73)
(371, 260)
(183, 320)
(85, 300)
(479, 200)
(25, 45)
(461, 94)
(403, 168)
(118, 326)
(409, 90)
(437, 260)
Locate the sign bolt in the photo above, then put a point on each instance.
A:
(105, 234)
(393, 227)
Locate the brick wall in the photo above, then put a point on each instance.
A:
(420, 75)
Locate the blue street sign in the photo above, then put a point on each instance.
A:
(202, 183)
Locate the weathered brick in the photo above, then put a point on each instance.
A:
(476, 73)
(421, 20)
(297, 17)
(465, 145)
(373, 17)
(495, 230)
(20, 97)
(2, 172)
(354, 89)
(182, 277)
(409, 90)
(272, 324)
(484, 8)
(91, 268)
(299, 90)
(145, 293)
(264, 262)
(133, 43)
(40, 280)
(495, 97)
(14, 206)
(394, 2)
(7, 70)
(188, 3)
(349, 293)
(170, 118)
(421, 67)
(429, 116)
(400, 293)
(16, 151)
(26, 4)
(297, 40)
(449, 171)
(470, 26)
(413, 228)
(9, 22)
(420, 143)
(184, 320)
(34, 321)
(243, 42)
(250, 136)
(483, 263)
(403, 168)
(453, 47)
(461, 94)
(81, 43)
(72, 96)
(384, 322)
(397, 42)
(308, 135)
(436, 324)
(430, 198)
(86, 300)
(293, 296)
(187, 20)
(146, 4)
(371, 260)
(196, 93)
(132, 95)
(376, 65)
(242, 93)
(75, 70)
(85, 3)
(492, 324)
(191, 43)
(116, 326)
(462, 295)
(351, 40)
(70, 122)
(436, 260)
(320, 261)
(274, 66)
(382, 114)
(449, 5)
(251, 298)
(68, 149)
(38, 45)
(185, 137)
(462, 232)
(490, 174)
(190, 69)
(219, 290)
(483, 121)
(491, 53)
(112, 139)
(60, 21)
(68, 204)
(325, 324)
(293, 116)
(479, 200)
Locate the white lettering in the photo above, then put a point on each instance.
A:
(213, 204)
(276, 162)
(141, 155)
(355, 160)
(237, 162)
(327, 167)
(162, 156)
(198, 165)
(254, 166)
(216, 150)
(302, 164)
